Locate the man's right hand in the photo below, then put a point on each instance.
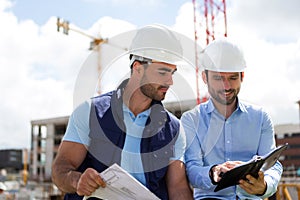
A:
(65, 174)
(220, 169)
(88, 182)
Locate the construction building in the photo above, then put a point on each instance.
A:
(46, 135)
(11, 164)
(289, 133)
(11, 160)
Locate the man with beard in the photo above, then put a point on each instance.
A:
(225, 132)
(129, 126)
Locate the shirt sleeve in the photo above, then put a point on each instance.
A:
(272, 175)
(180, 146)
(198, 174)
(78, 125)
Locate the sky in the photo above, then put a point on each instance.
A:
(39, 66)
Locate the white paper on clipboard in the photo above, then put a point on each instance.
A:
(120, 185)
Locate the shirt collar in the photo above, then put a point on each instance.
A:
(209, 106)
(241, 106)
(145, 113)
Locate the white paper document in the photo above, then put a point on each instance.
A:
(120, 185)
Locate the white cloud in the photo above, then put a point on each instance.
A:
(185, 20)
(269, 33)
(109, 27)
(270, 38)
(272, 20)
(39, 66)
(38, 70)
(134, 3)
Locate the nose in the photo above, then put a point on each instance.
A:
(169, 80)
(226, 84)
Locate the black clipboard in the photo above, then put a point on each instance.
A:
(252, 167)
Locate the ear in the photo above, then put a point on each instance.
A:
(242, 76)
(204, 77)
(137, 66)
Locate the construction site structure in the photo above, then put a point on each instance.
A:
(210, 22)
(47, 134)
(95, 44)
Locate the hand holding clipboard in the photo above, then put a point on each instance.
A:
(251, 167)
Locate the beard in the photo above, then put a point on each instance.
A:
(151, 90)
(219, 96)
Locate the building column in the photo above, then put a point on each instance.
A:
(49, 149)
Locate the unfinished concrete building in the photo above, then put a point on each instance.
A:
(46, 135)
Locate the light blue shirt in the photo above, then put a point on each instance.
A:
(131, 159)
(78, 131)
(213, 140)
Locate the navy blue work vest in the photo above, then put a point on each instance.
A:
(108, 132)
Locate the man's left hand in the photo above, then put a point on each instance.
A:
(254, 186)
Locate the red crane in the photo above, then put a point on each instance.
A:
(207, 12)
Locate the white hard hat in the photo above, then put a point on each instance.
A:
(157, 43)
(223, 55)
(2, 186)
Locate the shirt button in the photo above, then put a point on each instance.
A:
(228, 141)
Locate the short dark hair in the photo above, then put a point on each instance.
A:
(144, 63)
